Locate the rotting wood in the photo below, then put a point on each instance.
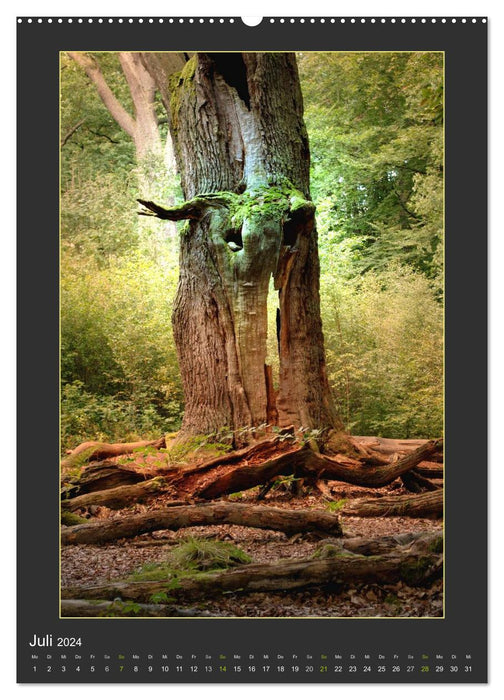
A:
(119, 496)
(271, 397)
(99, 477)
(384, 448)
(262, 517)
(416, 483)
(88, 451)
(424, 505)
(413, 542)
(263, 448)
(244, 477)
(109, 608)
(286, 575)
(304, 462)
(431, 470)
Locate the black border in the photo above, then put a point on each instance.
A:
(464, 628)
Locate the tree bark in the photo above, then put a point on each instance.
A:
(304, 462)
(116, 109)
(391, 446)
(99, 477)
(413, 542)
(188, 516)
(143, 127)
(416, 483)
(119, 496)
(424, 505)
(237, 126)
(88, 451)
(287, 575)
(108, 608)
(431, 470)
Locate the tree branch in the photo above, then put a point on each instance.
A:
(193, 209)
(92, 69)
(410, 213)
(71, 132)
(103, 136)
(141, 84)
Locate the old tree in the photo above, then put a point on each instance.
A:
(242, 151)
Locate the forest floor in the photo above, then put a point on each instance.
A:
(96, 564)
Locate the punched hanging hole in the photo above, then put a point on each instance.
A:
(251, 21)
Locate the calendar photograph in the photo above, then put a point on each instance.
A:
(252, 334)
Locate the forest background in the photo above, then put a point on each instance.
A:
(375, 123)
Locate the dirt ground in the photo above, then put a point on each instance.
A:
(95, 564)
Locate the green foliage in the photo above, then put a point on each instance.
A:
(69, 518)
(331, 551)
(86, 416)
(157, 571)
(335, 506)
(375, 122)
(384, 342)
(98, 221)
(191, 445)
(192, 556)
(98, 146)
(207, 555)
(120, 608)
(161, 597)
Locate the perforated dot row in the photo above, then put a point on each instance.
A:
(380, 20)
(121, 20)
(272, 20)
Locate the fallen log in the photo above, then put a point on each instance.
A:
(424, 505)
(288, 521)
(107, 475)
(304, 462)
(244, 477)
(286, 575)
(431, 470)
(253, 452)
(413, 542)
(87, 451)
(416, 483)
(109, 608)
(118, 497)
(388, 446)
(99, 477)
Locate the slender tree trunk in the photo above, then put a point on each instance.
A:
(142, 127)
(242, 152)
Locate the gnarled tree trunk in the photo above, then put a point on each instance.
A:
(242, 151)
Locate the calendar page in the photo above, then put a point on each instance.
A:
(252, 350)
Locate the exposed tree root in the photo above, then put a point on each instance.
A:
(88, 451)
(424, 505)
(212, 514)
(304, 462)
(245, 469)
